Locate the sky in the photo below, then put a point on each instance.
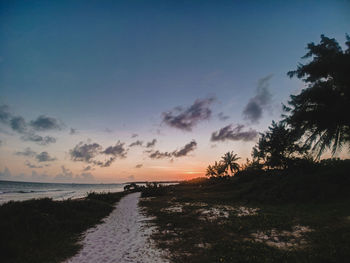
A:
(115, 91)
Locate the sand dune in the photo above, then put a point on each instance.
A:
(122, 237)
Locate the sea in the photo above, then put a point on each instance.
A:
(20, 191)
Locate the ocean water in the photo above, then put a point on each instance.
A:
(19, 191)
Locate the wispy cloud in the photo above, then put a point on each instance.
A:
(187, 118)
(151, 143)
(222, 116)
(234, 133)
(254, 109)
(136, 143)
(184, 151)
(44, 157)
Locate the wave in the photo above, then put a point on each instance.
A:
(29, 191)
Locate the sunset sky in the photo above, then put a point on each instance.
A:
(114, 91)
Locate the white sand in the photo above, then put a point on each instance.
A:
(123, 237)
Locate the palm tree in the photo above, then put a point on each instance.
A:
(216, 170)
(229, 162)
(210, 171)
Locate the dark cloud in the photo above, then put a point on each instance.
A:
(138, 165)
(234, 133)
(222, 116)
(88, 153)
(137, 143)
(186, 118)
(117, 150)
(191, 146)
(88, 168)
(134, 135)
(28, 152)
(108, 130)
(73, 131)
(105, 163)
(151, 143)
(85, 152)
(44, 123)
(5, 114)
(44, 157)
(254, 109)
(39, 139)
(18, 124)
(34, 166)
(160, 155)
(186, 149)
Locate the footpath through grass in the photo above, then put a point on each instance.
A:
(47, 231)
(250, 220)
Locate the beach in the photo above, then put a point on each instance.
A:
(124, 236)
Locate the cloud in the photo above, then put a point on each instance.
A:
(88, 168)
(160, 155)
(73, 131)
(137, 143)
(186, 118)
(191, 146)
(85, 152)
(18, 124)
(254, 109)
(5, 114)
(234, 133)
(117, 150)
(44, 123)
(151, 143)
(34, 166)
(28, 152)
(134, 135)
(138, 165)
(39, 139)
(44, 157)
(222, 116)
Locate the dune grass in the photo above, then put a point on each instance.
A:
(43, 230)
(319, 203)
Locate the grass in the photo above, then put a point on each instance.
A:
(43, 230)
(320, 202)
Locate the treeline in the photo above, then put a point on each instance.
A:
(314, 121)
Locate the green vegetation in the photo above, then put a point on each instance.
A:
(43, 230)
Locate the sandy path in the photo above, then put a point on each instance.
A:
(123, 237)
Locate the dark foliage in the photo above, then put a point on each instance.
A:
(321, 110)
(278, 147)
(44, 230)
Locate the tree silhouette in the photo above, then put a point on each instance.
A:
(229, 162)
(321, 111)
(216, 170)
(278, 146)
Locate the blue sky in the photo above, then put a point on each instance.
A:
(118, 65)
